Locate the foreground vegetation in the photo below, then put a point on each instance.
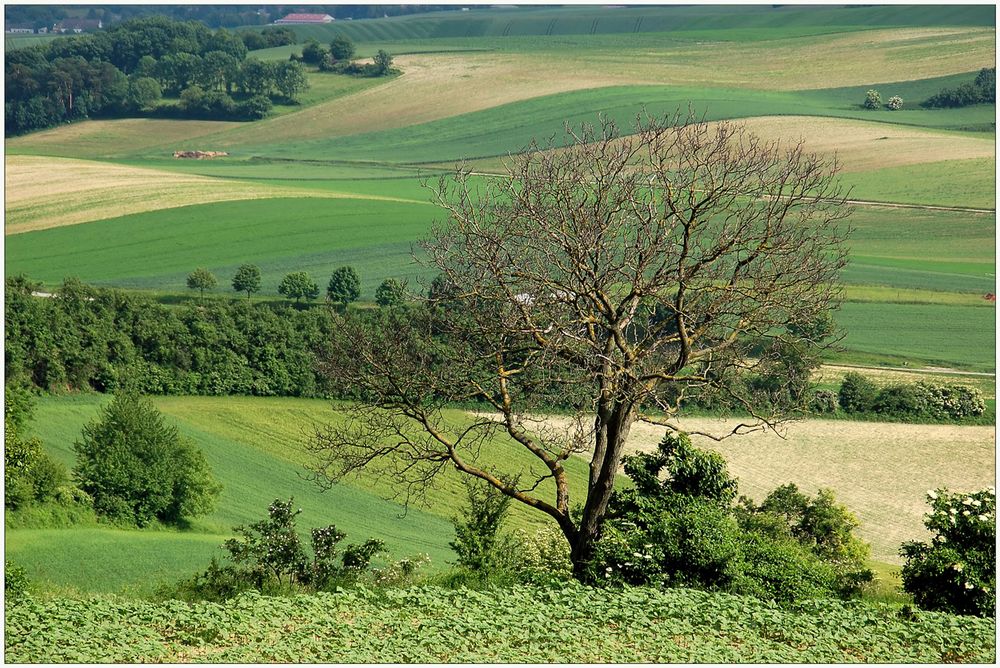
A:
(431, 624)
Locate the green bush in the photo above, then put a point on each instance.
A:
(904, 400)
(956, 571)
(138, 469)
(857, 393)
(390, 293)
(823, 402)
(15, 582)
(681, 529)
(268, 556)
(479, 545)
(30, 475)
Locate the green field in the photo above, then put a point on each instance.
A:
(573, 624)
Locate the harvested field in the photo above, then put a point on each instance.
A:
(862, 146)
(834, 374)
(115, 138)
(45, 192)
(880, 471)
(795, 63)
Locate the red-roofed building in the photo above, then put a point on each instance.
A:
(305, 18)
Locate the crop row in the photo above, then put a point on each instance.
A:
(520, 624)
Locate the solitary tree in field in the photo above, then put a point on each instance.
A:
(629, 271)
(383, 62)
(201, 279)
(298, 286)
(247, 279)
(344, 286)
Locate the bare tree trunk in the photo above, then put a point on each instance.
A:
(612, 426)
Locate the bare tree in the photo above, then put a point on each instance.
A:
(621, 273)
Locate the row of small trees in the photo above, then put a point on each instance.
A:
(343, 288)
(337, 58)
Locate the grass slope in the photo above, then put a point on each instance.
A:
(254, 447)
(159, 248)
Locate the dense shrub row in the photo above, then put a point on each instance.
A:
(90, 339)
(858, 394)
(981, 91)
(686, 530)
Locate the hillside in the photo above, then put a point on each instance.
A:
(340, 178)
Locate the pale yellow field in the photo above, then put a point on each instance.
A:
(863, 146)
(44, 192)
(859, 146)
(115, 138)
(880, 471)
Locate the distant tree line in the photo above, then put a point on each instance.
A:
(126, 70)
(214, 16)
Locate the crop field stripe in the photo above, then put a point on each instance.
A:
(45, 193)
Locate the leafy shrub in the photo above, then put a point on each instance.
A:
(953, 401)
(823, 402)
(857, 393)
(478, 542)
(542, 556)
(873, 100)
(390, 293)
(30, 475)
(895, 103)
(683, 530)
(941, 402)
(904, 399)
(821, 526)
(400, 573)
(15, 582)
(137, 468)
(980, 91)
(956, 571)
(269, 557)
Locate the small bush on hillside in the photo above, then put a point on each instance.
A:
(823, 402)
(681, 529)
(15, 582)
(953, 401)
(269, 557)
(895, 103)
(479, 544)
(956, 571)
(873, 100)
(390, 293)
(903, 399)
(857, 393)
(908, 400)
(30, 475)
(137, 468)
